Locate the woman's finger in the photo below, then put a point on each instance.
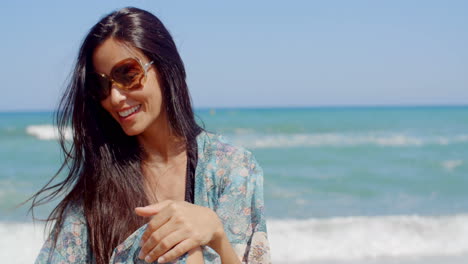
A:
(177, 251)
(155, 223)
(152, 209)
(160, 219)
(156, 237)
(166, 244)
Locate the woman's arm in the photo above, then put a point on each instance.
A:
(195, 256)
(241, 208)
(223, 247)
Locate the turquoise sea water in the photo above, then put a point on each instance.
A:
(395, 173)
(356, 161)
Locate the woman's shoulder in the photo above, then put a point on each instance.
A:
(223, 163)
(74, 213)
(219, 150)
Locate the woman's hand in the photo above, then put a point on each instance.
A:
(175, 228)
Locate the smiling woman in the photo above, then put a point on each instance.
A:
(145, 182)
(135, 105)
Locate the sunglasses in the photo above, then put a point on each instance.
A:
(127, 75)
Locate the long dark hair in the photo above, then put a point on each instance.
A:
(104, 164)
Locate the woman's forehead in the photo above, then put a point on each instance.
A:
(110, 52)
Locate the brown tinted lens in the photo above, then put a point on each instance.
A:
(128, 73)
(100, 86)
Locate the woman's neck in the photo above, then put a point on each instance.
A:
(161, 146)
(164, 163)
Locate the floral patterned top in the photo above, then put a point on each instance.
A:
(227, 179)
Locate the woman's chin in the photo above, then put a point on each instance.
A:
(132, 131)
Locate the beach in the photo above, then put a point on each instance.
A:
(336, 241)
(342, 185)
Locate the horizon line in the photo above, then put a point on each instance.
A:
(344, 106)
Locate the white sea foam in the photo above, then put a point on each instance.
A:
(20, 243)
(341, 140)
(47, 132)
(359, 238)
(330, 240)
(248, 138)
(450, 165)
(243, 131)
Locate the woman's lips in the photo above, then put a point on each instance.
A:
(129, 111)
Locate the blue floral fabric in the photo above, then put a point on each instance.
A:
(228, 180)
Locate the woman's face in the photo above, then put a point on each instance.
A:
(137, 109)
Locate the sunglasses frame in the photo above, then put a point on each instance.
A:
(111, 81)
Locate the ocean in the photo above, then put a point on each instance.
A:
(342, 185)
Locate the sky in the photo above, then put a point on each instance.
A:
(259, 53)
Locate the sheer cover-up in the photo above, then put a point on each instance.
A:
(228, 180)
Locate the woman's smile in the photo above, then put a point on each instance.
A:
(129, 111)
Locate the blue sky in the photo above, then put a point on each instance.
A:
(259, 53)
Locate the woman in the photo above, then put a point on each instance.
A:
(145, 182)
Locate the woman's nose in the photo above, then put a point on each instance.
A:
(117, 95)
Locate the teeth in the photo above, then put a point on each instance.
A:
(129, 111)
